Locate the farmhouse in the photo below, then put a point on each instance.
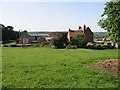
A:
(85, 30)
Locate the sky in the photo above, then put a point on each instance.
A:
(51, 16)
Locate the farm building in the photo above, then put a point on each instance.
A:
(28, 38)
(85, 30)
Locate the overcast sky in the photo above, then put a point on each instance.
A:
(51, 16)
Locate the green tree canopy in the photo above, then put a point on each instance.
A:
(8, 33)
(111, 20)
(78, 40)
(61, 40)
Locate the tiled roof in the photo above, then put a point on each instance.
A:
(74, 32)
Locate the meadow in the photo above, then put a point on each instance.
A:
(55, 68)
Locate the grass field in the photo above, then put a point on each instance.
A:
(55, 68)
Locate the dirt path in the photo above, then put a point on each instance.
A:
(110, 65)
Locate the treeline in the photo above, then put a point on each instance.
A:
(38, 32)
(8, 33)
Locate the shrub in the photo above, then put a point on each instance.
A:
(60, 41)
(97, 46)
(71, 46)
(14, 45)
(42, 44)
(57, 42)
(6, 45)
(79, 40)
(90, 45)
(29, 45)
(109, 46)
(35, 45)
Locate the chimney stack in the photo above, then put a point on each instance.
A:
(79, 27)
(84, 26)
(69, 29)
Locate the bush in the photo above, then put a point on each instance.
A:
(29, 45)
(41, 42)
(109, 47)
(6, 45)
(90, 45)
(14, 45)
(79, 40)
(60, 41)
(57, 42)
(71, 47)
(98, 46)
(34, 45)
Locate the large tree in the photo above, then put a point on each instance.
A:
(111, 20)
(8, 33)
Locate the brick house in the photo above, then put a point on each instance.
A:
(85, 30)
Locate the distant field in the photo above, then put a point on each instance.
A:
(55, 68)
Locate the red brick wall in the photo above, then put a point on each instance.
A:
(89, 35)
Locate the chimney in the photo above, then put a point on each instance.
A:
(84, 27)
(79, 27)
(69, 29)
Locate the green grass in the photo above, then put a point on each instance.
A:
(55, 68)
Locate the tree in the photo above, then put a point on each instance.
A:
(57, 42)
(111, 20)
(79, 40)
(8, 33)
(61, 40)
